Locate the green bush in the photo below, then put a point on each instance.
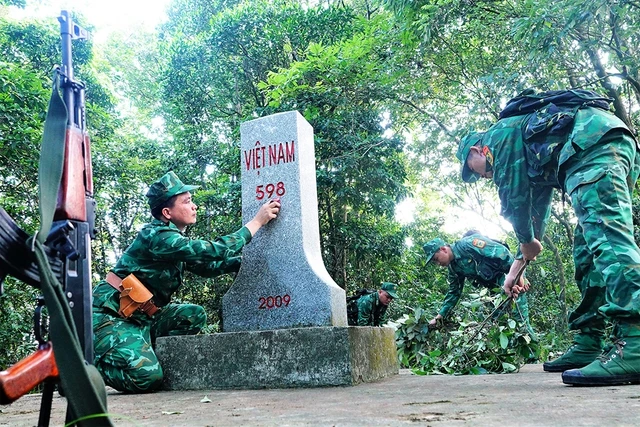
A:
(476, 341)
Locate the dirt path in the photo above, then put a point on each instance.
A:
(528, 398)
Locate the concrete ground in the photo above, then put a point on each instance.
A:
(528, 398)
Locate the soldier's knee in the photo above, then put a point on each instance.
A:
(142, 380)
(131, 372)
(199, 317)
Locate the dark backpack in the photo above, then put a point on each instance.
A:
(352, 305)
(552, 115)
(529, 101)
(489, 269)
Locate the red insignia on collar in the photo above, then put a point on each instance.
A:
(488, 154)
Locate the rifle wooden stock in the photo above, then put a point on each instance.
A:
(25, 375)
(77, 181)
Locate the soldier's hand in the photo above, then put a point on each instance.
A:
(267, 212)
(511, 288)
(435, 322)
(531, 250)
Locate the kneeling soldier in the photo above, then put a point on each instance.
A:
(132, 307)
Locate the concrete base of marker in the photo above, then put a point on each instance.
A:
(281, 358)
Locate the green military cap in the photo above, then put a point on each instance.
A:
(463, 152)
(165, 188)
(432, 246)
(391, 289)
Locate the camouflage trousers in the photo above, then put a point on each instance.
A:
(124, 352)
(600, 182)
(521, 313)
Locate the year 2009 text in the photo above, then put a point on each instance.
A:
(274, 302)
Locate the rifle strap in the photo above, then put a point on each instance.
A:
(51, 158)
(82, 384)
(84, 390)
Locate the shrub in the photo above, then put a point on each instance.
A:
(476, 341)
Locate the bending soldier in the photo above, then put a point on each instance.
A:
(482, 261)
(152, 267)
(591, 156)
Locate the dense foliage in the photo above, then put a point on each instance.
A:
(389, 87)
(483, 337)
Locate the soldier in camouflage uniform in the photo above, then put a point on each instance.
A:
(158, 257)
(481, 260)
(595, 162)
(372, 308)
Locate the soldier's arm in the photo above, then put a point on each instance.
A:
(512, 180)
(383, 316)
(456, 284)
(365, 310)
(172, 246)
(541, 209)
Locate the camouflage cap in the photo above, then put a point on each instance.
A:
(432, 246)
(390, 288)
(463, 152)
(165, 188)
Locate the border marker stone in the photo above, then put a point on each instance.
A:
(284, 318)
(283, 282)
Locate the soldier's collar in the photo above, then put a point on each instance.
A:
(169, 224)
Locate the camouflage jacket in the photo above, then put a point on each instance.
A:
(159, 255)
(526, 177)
(371, 312)
(481, 260)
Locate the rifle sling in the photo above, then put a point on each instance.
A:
(82, 384)
(51, 163)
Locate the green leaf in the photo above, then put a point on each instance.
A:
(504, 341)
(508, 367)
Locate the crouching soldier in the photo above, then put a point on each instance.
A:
(132, 307)
(368, 308)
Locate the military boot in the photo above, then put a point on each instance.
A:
(620, 365)
(584, 350)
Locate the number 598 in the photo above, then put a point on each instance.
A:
(269, 190)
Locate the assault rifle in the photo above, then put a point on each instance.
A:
(68, 222)
(74, 218)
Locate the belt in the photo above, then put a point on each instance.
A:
(116, 282)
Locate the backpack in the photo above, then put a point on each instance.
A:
(552, 115)
(352, 305)
(529, 101)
